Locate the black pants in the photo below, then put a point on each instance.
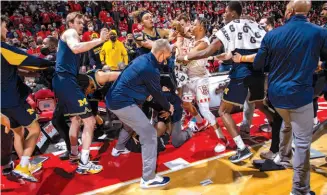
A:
(275, 132)
(6, 146)
(276, 125)
(315, 106)
(59, 122)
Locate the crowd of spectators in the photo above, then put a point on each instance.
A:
(32, 21)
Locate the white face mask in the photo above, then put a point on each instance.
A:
(123, 33)
(91, 28)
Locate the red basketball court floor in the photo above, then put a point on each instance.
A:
(58, 177)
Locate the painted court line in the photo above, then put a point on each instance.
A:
(122, 184)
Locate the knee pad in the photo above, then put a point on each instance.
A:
(206, 113)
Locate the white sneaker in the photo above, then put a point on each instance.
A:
(116, 152)
(158, 181)
(221, 145)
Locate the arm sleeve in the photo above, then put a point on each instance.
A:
(260, 61)
(17, 57)
(152, 82)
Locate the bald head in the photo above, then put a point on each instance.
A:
(301, 6)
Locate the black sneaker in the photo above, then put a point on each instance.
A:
(9, 169)
(240, 155)
(64, 156)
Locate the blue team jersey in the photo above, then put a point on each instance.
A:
(13, 89)
(67, 61)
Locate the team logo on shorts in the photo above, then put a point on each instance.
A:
(226, 91)
(204, 90)
(83, 102)
(30, 111)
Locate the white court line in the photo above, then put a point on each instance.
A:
(118, 185)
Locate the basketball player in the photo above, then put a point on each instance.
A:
(71, 98)
(14, 106)
(243, 36)
(198, 86)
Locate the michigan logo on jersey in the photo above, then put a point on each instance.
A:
(83, 102)
(30, 111)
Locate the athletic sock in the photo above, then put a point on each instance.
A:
(239, 142)
(74, 150)
(85, 156)
(198, 118)
(219, 134)
(24, 161)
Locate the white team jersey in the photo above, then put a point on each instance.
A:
(197, 68)
(241, 34)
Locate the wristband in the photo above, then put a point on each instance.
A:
(185, 58)
(243, 59)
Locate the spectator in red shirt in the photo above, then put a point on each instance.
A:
(28, 20)
(33, 50)
(88, 34)
(46, 17)
(22, 32)
(77, 7)
(44, 32)
(103, 14)
(16, 18)
(108, 21)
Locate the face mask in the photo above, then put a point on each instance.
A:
(164, 61)
(43, 29)
(113, 38)
(130, 40)
(91, 28)
(16, 44)
(45, 51)
(123, 34)
(39, 42)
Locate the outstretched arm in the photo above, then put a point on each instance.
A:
(72, 39)
(105, 77)
(209, 51)
(238, 58)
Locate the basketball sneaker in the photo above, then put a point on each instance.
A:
(221, 145)
(116, 152)
(241, 155)
(24, 173)
(158, 181)
(89, 168)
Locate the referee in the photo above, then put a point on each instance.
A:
(292, 53)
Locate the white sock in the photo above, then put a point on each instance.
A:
(74, 150)
(85, 156)
(239, 142)
(24, 161)
(198, 118)
(219, 134)
(315, 120)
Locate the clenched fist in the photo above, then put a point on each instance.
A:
(104, 34)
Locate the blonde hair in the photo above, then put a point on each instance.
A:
(71, 17)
